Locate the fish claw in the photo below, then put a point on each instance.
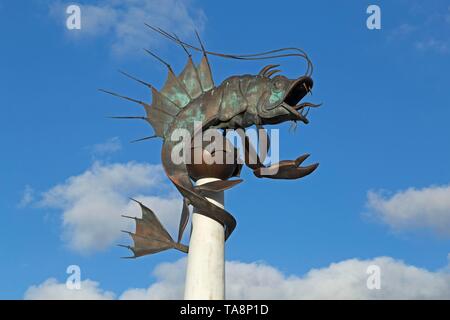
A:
(286, 169)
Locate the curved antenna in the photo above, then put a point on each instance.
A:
(277, 53)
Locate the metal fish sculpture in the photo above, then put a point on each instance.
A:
(238, 102)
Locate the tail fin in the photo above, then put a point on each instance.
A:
(150, 236)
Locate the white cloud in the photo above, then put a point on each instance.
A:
(51, 289)
(342, 280)
(27, 196)
(427, 208)
(92, 202)
(111, 145)
(124, 21)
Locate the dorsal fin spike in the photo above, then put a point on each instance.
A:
(204, 69)
(200, 42)
(183, 46)
(128, 117)
(264, 70)
(159, 59)
(136, 79)
(145, 138)
(181, 43)
(123, 97)
(153, 28)
(129, 217)
(127, 232)
(171, 79)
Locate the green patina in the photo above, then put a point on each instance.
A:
(276, 96)
(191, 84)
(182, 97)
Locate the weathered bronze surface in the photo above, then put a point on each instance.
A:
(150, 236)
(238, 102)
(215, 163)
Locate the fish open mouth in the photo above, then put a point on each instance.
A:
(298, 90)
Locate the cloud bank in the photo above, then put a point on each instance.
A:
(343, 280)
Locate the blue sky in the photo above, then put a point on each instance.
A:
(383, 128)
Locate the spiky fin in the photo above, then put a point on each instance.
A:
(177, 93)
(190, 84)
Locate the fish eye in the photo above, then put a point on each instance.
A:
(278, 84)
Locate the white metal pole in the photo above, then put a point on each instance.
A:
(205, 274)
